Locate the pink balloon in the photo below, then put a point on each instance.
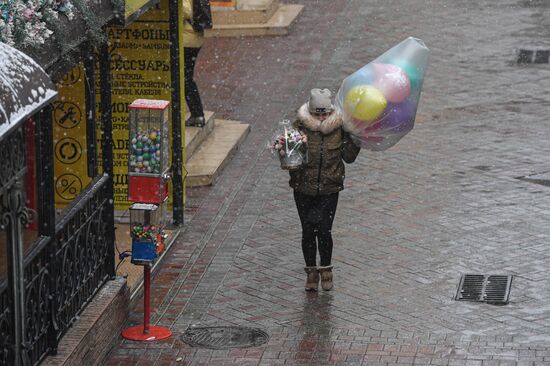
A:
(392, 81)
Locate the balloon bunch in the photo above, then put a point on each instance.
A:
(145, 147)
(378, 102)
(143, 232)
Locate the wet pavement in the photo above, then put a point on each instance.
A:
(445, 201)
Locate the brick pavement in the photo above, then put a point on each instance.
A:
(444, 201)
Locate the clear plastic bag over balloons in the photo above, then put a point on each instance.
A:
(289, 145)
(378, 102)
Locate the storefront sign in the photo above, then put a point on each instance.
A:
(140, 69)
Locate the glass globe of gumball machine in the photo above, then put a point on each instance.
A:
(147, 232)
(148, 158)
(148, 175)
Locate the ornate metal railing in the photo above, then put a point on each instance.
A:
(13, 167)
(6, 327)
(38, 294)
(82, 254)
(62, 274)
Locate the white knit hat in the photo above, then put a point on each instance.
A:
(320, 101)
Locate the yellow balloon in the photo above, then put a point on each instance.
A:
(365, 103)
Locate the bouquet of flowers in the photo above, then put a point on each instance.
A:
(378, 102)
(290, 146)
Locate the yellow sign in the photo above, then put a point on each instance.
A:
(69, 119)
(140, 69)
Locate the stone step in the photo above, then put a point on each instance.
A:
(215, 152)
(249, 12)
(194, 136)
(278, 25)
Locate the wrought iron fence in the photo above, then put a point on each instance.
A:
(6, 327)
(62, 274)
(82, 254)
(38, 320)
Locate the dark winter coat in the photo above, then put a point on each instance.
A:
(328, 147)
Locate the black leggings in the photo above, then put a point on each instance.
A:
(316, 215)
(192, 96)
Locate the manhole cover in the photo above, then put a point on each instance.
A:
(493, 289)
(224, 337)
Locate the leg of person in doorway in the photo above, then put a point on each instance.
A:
(192, 96)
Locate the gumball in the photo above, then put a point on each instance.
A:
(365, 103)
(140, 158)
(134, 140)
(146, 156)
(153, 135)
(392, 82)
(149, 169)
(137, 170)
(144, 137)
(146, 148)
(139, 145)
(146, 163)
(139, 164)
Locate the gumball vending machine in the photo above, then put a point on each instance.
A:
(148, 175)
(148, 158)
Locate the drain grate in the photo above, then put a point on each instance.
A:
(493, 289)
(224, 337)
(533, 56)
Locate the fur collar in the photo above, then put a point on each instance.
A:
(330, 124)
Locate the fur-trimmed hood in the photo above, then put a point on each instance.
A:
(330, 124)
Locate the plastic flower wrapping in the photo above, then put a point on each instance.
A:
(378, 102)
(289, 145)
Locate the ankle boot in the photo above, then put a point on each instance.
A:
(190, 122)
(312, 282)
(199, 121)
(326, 277)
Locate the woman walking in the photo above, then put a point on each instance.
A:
(317, 183)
